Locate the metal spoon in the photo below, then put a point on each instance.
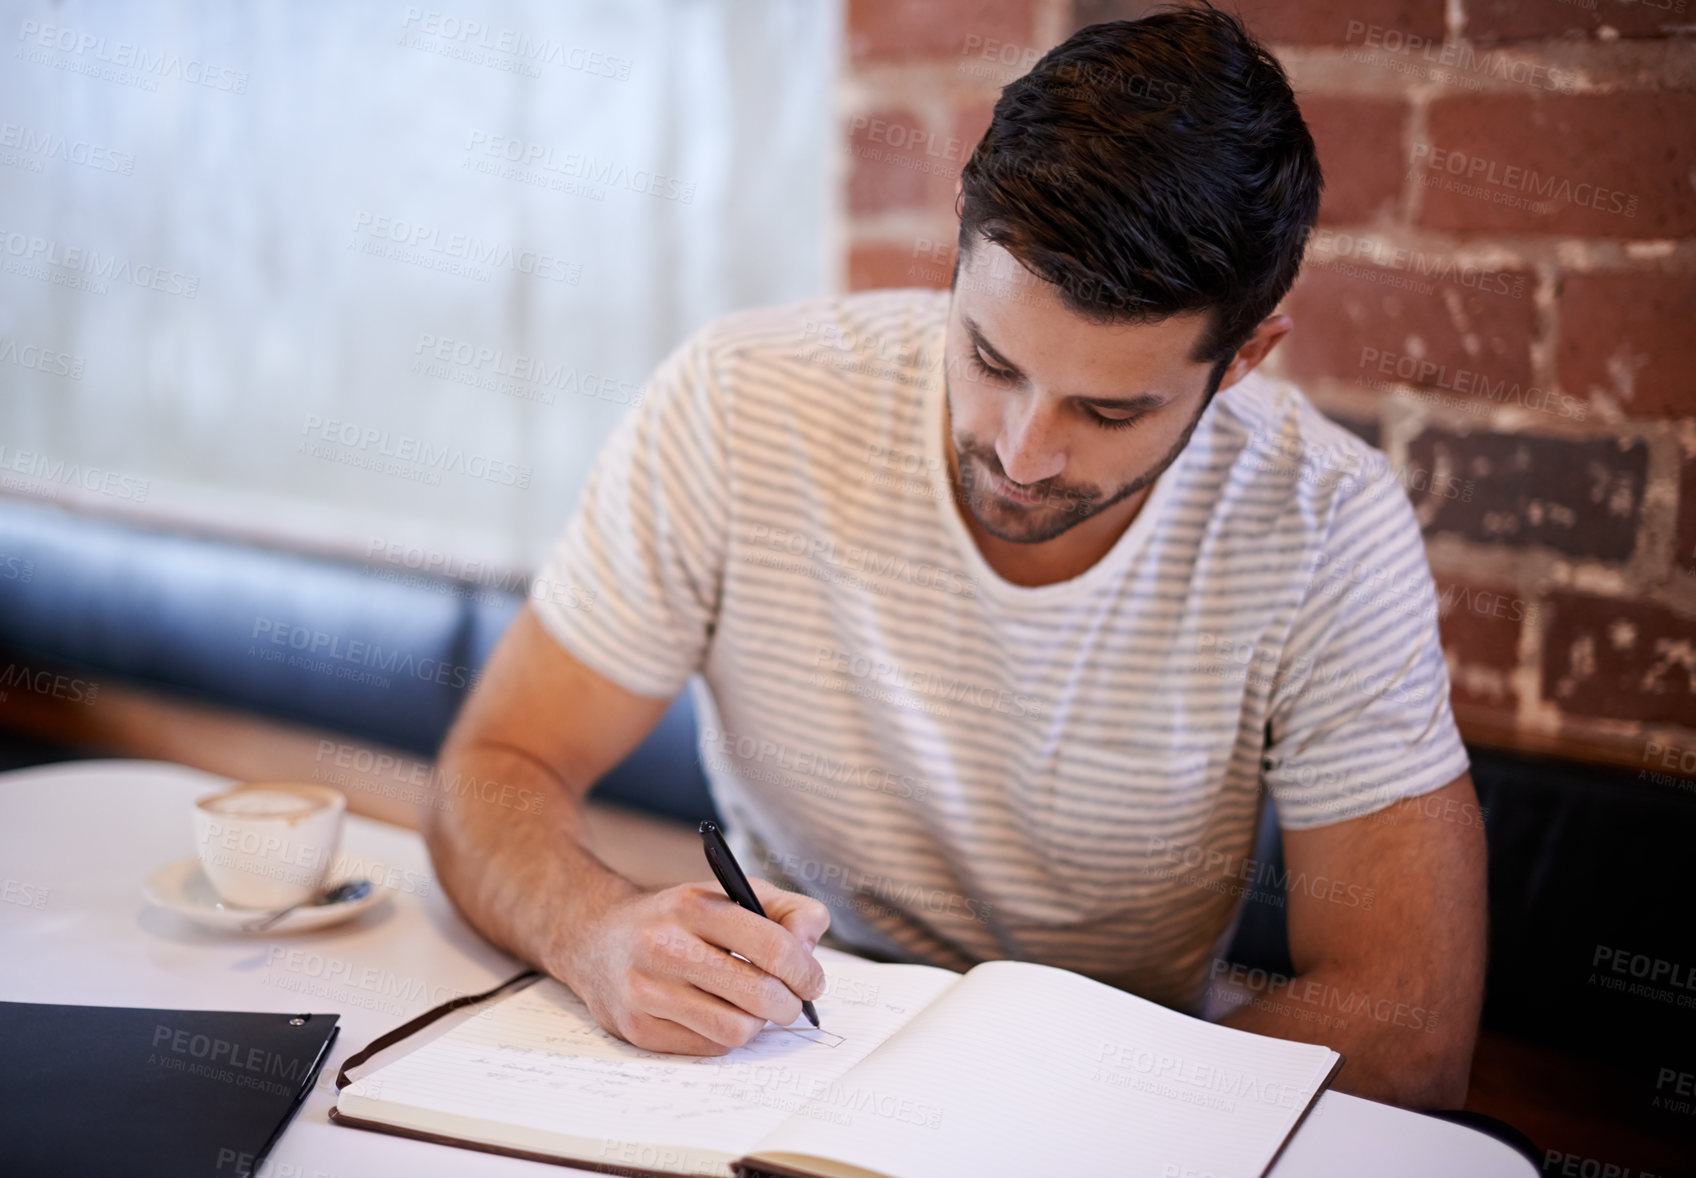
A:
(353, 889)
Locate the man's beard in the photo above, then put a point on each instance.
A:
(1061, 508)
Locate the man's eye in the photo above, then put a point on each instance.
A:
(985, 368)
(1114, 422)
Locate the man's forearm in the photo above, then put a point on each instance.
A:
(1396, 1048)
(507, 840)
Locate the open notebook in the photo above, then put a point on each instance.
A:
(915, 1072)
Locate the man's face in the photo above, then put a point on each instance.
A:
(1077, 414)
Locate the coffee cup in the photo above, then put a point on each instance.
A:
(268, 845)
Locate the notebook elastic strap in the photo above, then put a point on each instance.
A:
(390, 1038)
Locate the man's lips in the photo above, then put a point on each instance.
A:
(1008, 491)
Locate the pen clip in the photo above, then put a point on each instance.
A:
(723, 879)
(730, 877)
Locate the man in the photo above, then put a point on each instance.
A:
(1011, 605)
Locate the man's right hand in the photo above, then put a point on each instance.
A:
(653, 967)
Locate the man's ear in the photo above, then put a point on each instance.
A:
(1272, 329)
(959, 187)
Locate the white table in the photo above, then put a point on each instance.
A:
(76, 840)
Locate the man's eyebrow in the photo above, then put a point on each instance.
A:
(1141, 403)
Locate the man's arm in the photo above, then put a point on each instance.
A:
(1396, 986)
(651, 966)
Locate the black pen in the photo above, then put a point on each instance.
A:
(735, 885)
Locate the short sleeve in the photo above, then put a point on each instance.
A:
(1360, 713)
(632, 587)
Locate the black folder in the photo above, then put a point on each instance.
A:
(89, 1090)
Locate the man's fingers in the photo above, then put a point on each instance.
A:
(802, 915)
(653, 1033)
(707, 1015)
(687, 958)
(766, 943)
(659, 970)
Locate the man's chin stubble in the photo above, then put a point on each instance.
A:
(1037, 523)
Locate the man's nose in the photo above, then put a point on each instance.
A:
(1028, 446)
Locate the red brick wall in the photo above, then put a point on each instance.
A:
(1501, 293)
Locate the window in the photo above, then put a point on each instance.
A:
(342, 276)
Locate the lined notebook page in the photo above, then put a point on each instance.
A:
(1025, 1069)
(534, 1070)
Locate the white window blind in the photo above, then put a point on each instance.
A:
(344, 276)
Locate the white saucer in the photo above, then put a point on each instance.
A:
(182, 887)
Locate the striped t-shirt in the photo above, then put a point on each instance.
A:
(966, 769)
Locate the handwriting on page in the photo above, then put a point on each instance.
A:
(534, 1022)
(539, 1059)
(547, 1039)
(811, 1034)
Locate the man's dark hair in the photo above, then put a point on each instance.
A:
(1149, 168)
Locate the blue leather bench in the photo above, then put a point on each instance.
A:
(295, 638)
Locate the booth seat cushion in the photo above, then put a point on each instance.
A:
(307, 640)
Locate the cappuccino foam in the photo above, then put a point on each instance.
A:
(267, 803)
